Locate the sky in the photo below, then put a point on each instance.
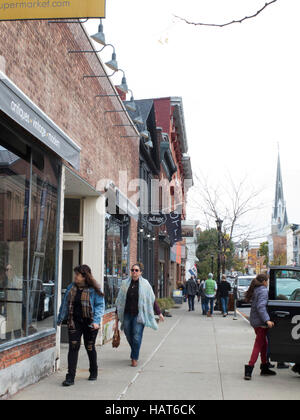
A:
(240, 85)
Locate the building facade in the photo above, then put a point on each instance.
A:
(66, 160)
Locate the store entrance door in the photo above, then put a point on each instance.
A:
(71, 258)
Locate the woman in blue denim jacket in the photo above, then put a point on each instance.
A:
(83, 307)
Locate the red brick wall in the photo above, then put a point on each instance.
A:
(38, 62)
(25, 351)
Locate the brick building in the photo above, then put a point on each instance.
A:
(170, 119)
(62, 156)
(166, 176)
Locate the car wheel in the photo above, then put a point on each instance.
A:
(239, 305)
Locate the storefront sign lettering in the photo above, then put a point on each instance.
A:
(18, 106)
(174, 227)
(156, 219)
(51, 9)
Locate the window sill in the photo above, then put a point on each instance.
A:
(26, 340)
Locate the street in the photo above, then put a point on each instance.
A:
(191, 357)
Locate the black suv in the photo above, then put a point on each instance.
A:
(284, 310)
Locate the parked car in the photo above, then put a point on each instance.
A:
(49, 300)
(243, 283)
(284, 311)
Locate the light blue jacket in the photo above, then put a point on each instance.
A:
(97, 304)
(146, 303)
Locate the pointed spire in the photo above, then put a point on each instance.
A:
(279, 214)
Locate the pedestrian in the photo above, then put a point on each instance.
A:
(198, 289)
(83, 307)
(191, 292)
(224, 289)
(210, 290)
(202, 296)
(136, 308)
(260, 321)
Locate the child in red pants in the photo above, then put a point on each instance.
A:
(260, 321)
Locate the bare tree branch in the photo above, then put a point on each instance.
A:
(228, 23)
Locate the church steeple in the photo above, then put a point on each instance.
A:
(279, 219)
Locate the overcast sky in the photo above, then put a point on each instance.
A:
(240, 85)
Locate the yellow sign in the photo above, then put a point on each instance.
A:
(51, 9)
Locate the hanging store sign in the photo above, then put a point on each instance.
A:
(155, 219)
(174, 227)
(15, 104)
(50, 9)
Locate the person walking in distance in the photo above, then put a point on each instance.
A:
(210, 290)
(260, 321)
(224, 289)
(191, 292)
(136, 306)
(83, 307)
(201, 295)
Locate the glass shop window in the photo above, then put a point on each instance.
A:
(116, 267)
(72, 216)
(27, 291)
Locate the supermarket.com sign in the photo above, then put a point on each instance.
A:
(51, 9)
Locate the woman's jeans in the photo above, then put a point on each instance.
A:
(224, 303)
(191, 302)
(134, 334)
(209, 302)
(203, 305)
(260, 346)
(89, 337)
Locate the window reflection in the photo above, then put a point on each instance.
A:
(116, 256)
(27, 291)
(287, 285)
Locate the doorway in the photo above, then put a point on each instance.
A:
(71, 259)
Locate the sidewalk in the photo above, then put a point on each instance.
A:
(191, 357)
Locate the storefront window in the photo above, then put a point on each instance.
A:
(116, 256)
(72, 211)
(28, 220)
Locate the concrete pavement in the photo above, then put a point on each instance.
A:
(191, 357)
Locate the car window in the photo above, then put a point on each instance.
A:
(245, 282)
(287, 286)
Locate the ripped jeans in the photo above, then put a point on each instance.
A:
(89, 337)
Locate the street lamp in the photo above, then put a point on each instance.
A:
(219, 223)
(212, 263)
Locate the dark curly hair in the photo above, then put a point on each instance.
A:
(86, 272)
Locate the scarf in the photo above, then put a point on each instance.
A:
(146, 303)
(85, 304)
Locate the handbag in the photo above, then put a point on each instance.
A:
(116, 339)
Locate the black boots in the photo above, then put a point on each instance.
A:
(69, 381)
(265, 370)
(248, 372)
(93, 376)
